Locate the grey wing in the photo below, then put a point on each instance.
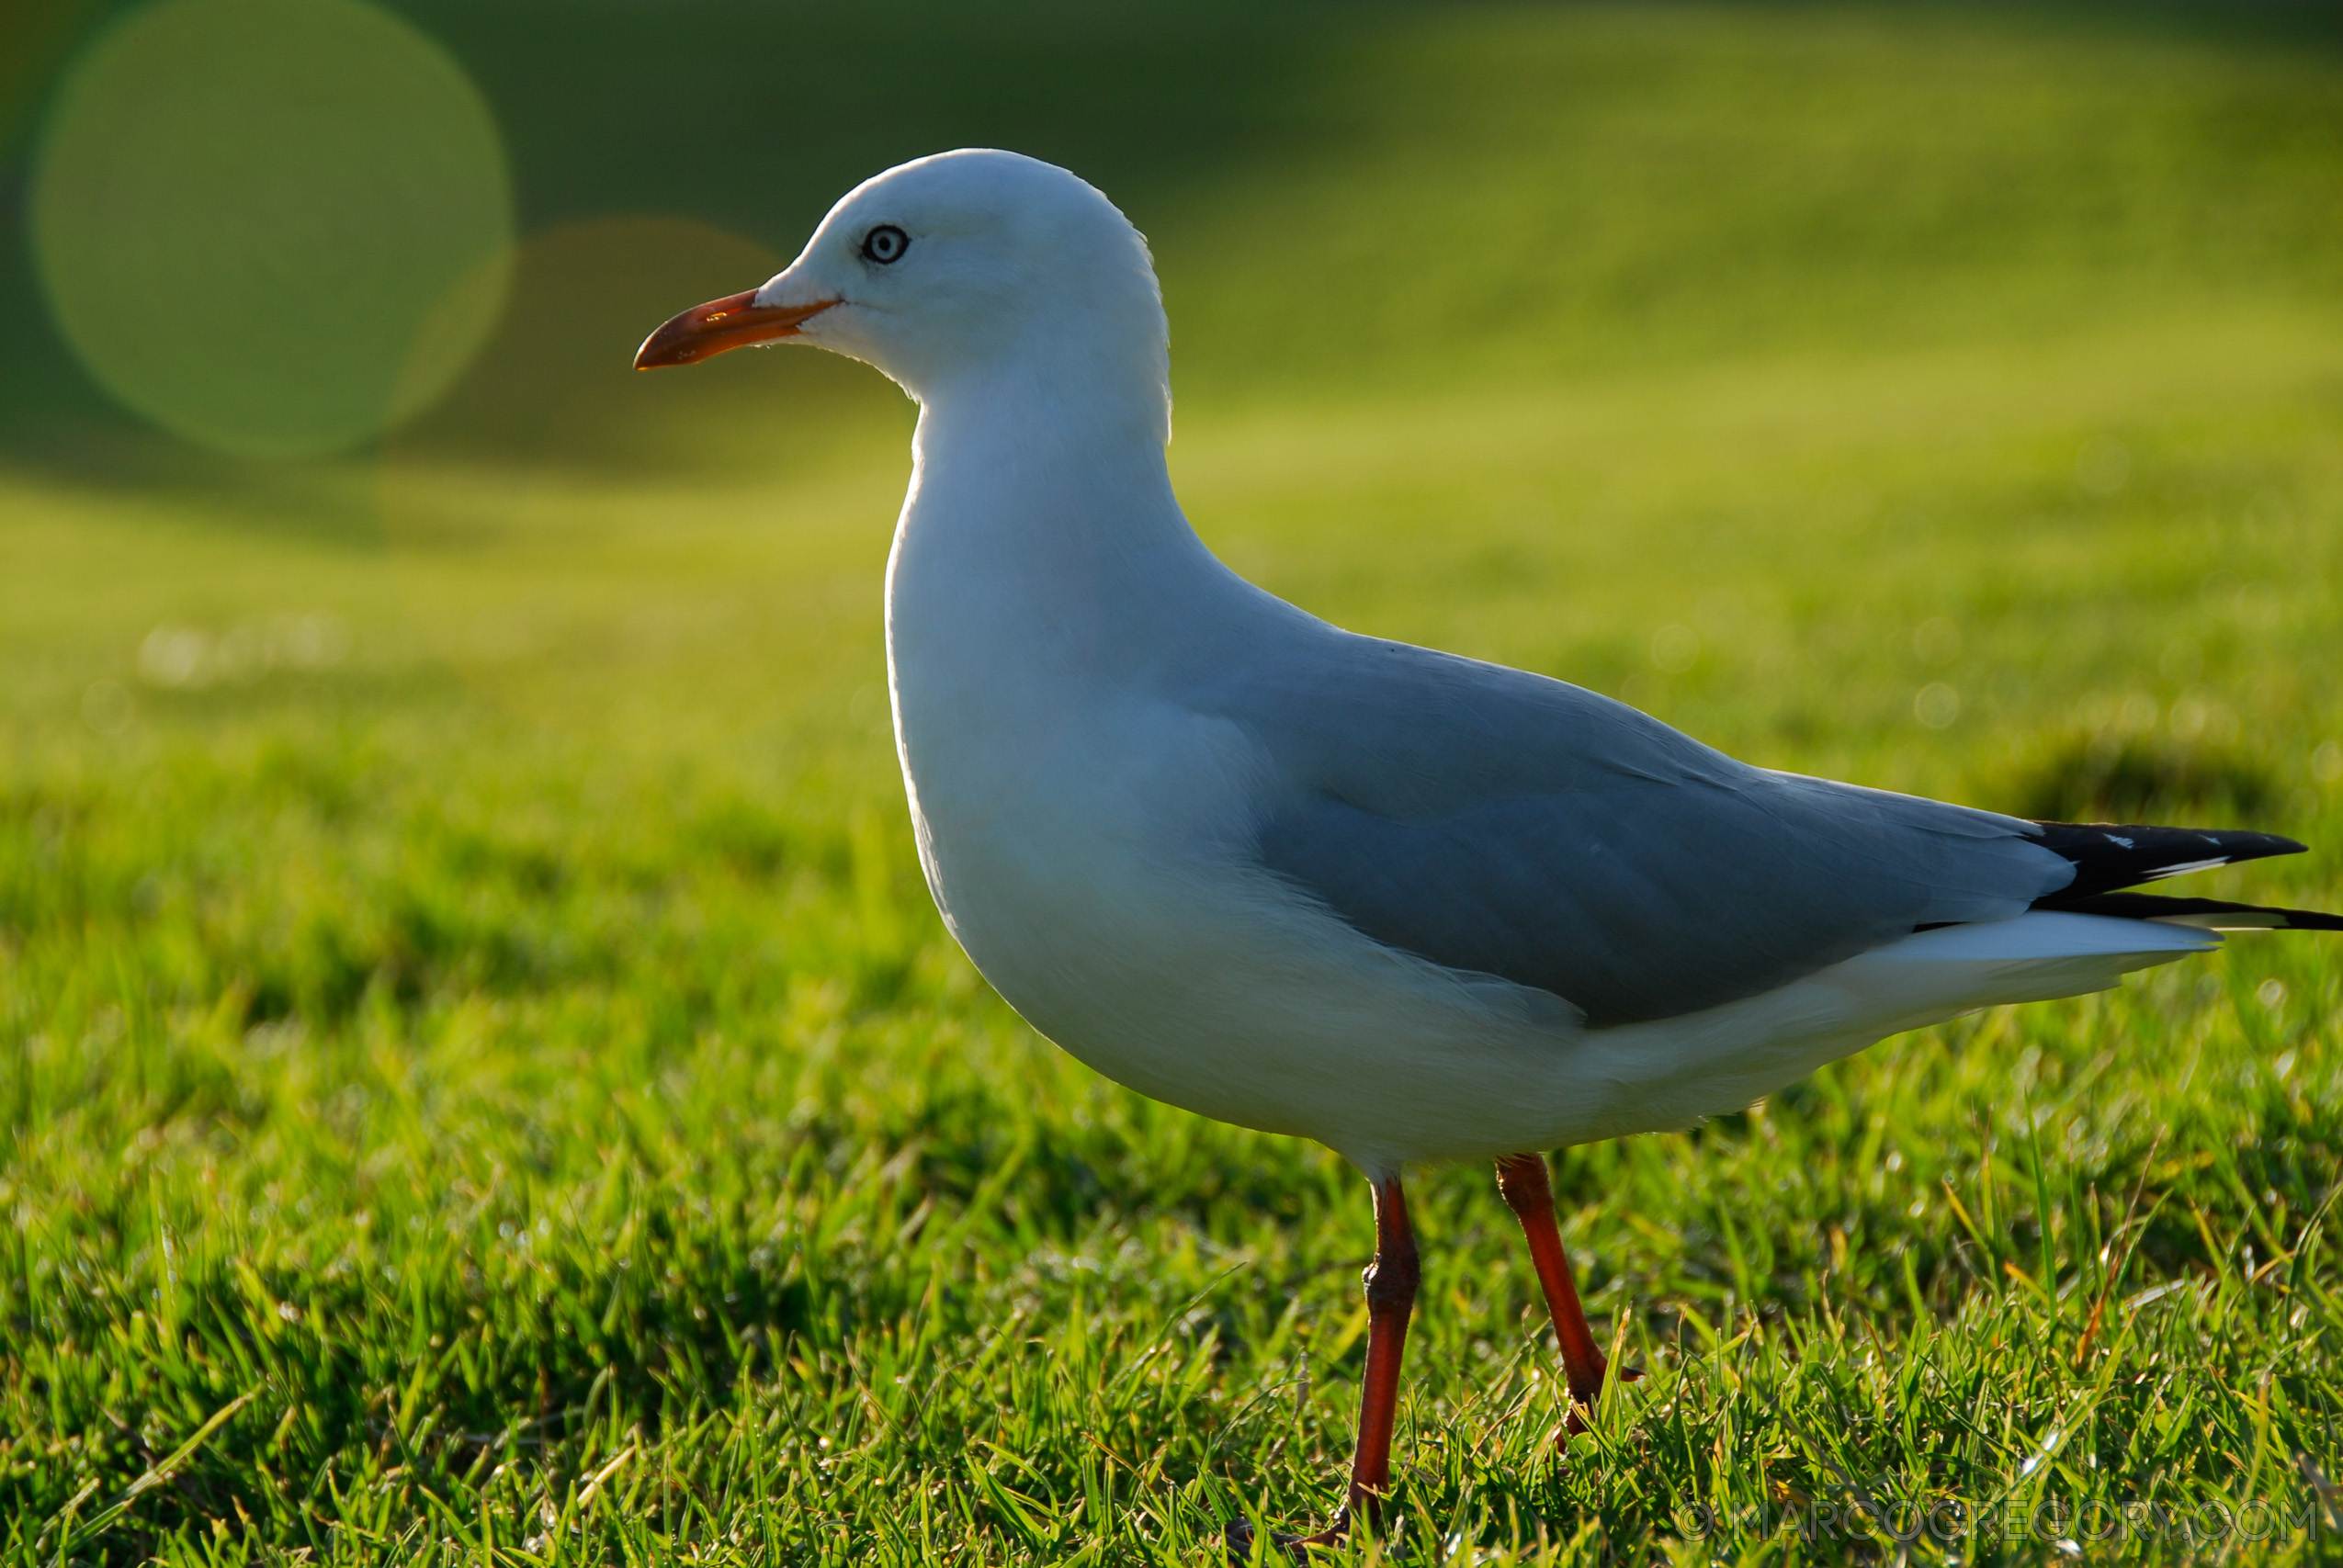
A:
(1497, 821)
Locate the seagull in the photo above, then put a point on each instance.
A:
(1418, 907)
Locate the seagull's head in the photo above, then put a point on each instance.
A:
(953, 268)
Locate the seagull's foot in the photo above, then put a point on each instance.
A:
(1239, 1536)
(1575, 1421)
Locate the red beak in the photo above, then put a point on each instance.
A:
(734, 321)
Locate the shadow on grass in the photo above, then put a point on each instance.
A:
(2111, 778)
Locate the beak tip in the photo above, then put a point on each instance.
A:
(664, 347)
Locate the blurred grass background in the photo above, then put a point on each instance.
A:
(468, 1013)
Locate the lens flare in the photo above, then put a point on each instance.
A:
(273, 227)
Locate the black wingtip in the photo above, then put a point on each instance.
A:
(2109, 855)
(2213, 914)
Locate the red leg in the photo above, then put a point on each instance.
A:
(1391, 1282)
(1520, 1178)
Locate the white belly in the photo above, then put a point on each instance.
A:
(1102, 889)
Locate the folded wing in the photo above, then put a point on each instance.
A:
(1497, 821)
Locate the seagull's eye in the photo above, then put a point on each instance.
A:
(885, 243)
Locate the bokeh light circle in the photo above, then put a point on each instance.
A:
(274, 227)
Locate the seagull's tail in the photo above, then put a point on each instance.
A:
(2040, 954)
(1755, 1046)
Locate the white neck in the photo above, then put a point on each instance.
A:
(1041, 564)
(1041, 479)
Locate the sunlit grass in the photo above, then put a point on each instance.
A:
(483, 1079)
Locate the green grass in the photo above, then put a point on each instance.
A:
(497, 1091)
